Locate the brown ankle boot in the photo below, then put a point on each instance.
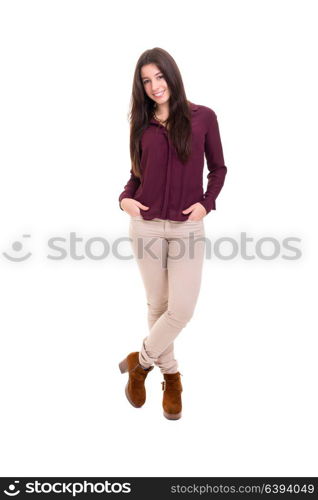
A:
(171, 402)
(135, 387)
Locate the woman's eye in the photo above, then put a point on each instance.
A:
(146, 81)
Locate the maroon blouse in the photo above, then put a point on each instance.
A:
(167, 186)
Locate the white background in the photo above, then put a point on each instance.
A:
(249, 355)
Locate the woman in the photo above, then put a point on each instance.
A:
(164, 198)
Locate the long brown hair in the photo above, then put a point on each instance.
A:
(141, 109)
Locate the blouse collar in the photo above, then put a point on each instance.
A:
(193, 107)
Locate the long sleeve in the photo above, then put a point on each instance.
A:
(215, 162)
(130, 188)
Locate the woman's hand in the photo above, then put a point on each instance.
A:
(197, 211)
(132, 206)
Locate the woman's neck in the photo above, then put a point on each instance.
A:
(162, 111)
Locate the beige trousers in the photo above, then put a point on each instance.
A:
(170, 257)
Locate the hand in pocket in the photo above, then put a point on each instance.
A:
(132, 206)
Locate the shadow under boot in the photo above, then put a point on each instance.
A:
(171, 402)
(135, 388)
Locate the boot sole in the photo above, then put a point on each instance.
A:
(172, 416)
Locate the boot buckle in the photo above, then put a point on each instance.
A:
(163, 383)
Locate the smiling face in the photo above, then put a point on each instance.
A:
(154, 84)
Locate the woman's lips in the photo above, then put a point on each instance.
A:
(159, 95)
